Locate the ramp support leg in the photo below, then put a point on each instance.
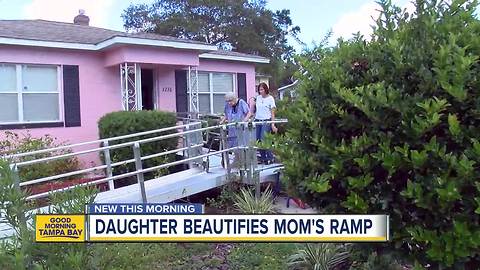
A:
(138, 167)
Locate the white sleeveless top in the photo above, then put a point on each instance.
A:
(264, 107)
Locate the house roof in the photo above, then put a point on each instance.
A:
(42, 30)
(44, 33)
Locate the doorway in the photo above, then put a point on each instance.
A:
(148, 88)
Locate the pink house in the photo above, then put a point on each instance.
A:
(59, 78)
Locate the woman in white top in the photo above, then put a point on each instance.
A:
(264, 111)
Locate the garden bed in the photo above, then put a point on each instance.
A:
(59, 185)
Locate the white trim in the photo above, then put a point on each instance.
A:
(31, 122)
(138, 87)
(60, 92)
(107, 43)
(210, 86)
(234, 58)
(287, 86)
(235, 81)
(19, 73)
(19, 78)
(49, 44)
(40, 92)
(156, 90)
(153, 42)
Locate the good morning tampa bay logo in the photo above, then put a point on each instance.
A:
(60, 228)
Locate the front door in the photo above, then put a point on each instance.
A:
(147, 86)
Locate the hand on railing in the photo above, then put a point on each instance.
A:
(274, 128)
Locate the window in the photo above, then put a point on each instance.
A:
(212, 88)
(29, 93)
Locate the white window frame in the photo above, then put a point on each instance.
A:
(20, 93)
(210, 91)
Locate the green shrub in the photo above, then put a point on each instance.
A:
(246, 202)
(391, 125)
(14, 143)
(20, 251)
(127, 122)
(321, 256)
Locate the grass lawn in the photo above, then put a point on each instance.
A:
(261, 255)
(192, 256)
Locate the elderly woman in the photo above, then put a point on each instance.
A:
(236, 110)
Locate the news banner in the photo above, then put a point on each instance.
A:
(188, 223)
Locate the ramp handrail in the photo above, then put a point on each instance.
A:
(192, 135)
(42, 151)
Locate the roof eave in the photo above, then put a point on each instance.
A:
(47, 44)
(107, 43)
(156, 43)
(235, 58)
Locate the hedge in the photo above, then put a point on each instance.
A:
(392, 125)
(129, 122)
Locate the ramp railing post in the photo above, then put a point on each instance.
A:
(108, 163)
(223, 146)
(196, 140)
(242, 143)
(187, 144)
(251, 157)
(138, 167)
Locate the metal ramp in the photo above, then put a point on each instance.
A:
(180, 185)
(204, 172)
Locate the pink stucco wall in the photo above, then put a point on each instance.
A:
(166, 100)
(100, 82)
(142, 54)
(99, 88)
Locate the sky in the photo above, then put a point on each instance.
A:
(314, 17)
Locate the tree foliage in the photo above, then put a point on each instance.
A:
(391, 125)
(242, 25)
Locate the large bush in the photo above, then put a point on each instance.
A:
(392, 125)
(126, 122)
(14, 143)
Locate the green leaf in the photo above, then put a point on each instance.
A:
(476, 146)
(453, 125)
(356, 203)
(360, 182)
(477, 210)
(418, 158)
(413, 190)
(464, 166)
(320, 184)
(449, 193)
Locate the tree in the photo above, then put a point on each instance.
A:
(391, 125)
(242, 25)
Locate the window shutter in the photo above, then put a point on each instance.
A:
(181, 90)
(71, 96)
(242, 86)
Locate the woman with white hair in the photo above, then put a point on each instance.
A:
(236, 110)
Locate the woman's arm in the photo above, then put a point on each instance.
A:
(250, 111)
(272, 111)
(274, 128)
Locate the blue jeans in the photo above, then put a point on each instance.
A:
(261, 130)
